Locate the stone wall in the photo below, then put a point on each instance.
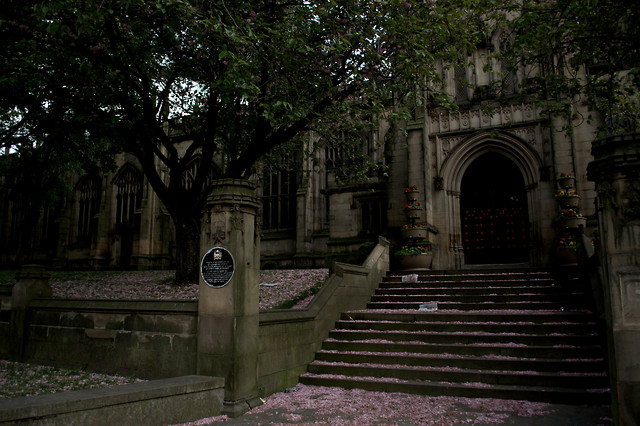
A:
(165, 401)
(158, 339)
(290, 338)
(147, 339)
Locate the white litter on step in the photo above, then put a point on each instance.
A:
(412, 278)
(431, 306)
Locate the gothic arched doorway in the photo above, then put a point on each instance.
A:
(493, 208)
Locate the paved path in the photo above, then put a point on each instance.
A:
(308, 405)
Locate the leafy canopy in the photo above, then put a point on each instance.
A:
(580, 50)
(249, 75)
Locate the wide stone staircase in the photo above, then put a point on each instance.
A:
(495, 334)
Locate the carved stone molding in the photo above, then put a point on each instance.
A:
(448, 144)
(527, 134)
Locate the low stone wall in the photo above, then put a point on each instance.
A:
(175, 400)
(158, 339)
(290, 338)
(147, 339)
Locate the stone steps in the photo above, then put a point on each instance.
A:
(485, 362)
(519, 335)
(468, 390)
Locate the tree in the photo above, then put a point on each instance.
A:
(235, 80)
(577, 50)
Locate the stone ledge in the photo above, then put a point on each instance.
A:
(136, 306)
(177, 399)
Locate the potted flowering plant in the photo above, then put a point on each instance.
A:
(570, 218)
(413, 211)
(411, 192)
(567, 198)
(566, 180)
(415, 206)
(416, 231)
(566, 250)
(415, 257)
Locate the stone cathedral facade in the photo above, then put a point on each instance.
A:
(487, 175)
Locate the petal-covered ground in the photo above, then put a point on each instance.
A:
(301, 405)
(313, 405)
(19, 379)
(276, 286)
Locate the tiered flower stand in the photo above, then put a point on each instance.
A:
(568, 221)
(414, 234)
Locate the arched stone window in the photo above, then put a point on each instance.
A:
(128, 183)
(191, 171)
(279, 188)
(88, 203)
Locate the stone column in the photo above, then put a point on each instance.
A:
(228, 304)
(31, 281)
(616, 173)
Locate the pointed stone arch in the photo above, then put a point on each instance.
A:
(458, 160)
(128, 183)
(87, 206)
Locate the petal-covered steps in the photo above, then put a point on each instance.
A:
(498, 334)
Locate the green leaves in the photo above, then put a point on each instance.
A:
(579, 48)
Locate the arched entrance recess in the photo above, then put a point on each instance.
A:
(494, 154)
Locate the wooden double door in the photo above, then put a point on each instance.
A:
(494, 212)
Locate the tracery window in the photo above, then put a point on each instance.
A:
(191, 171)
(128, 183)
(279, 188)
(88, 203)
(508, 77)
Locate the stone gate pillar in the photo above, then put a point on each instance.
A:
(616, 173)
(228, 303)
(31, 281)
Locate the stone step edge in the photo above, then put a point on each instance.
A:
(487, 347)
(458, 370)
(482, 289)
(454, 358)
(468, 322)
(415, 315)
(529, 393)
(520, 336)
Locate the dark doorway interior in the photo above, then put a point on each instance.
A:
(495, 224)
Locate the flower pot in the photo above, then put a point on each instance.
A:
(566, 182)
(566, 256)
(411, 195)
(415, 214)
(572, 222)
(568, 202)
(414, 234)
(416, 261)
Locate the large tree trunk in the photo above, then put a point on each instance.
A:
(187, 250)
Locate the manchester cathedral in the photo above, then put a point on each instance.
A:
(486, 174)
